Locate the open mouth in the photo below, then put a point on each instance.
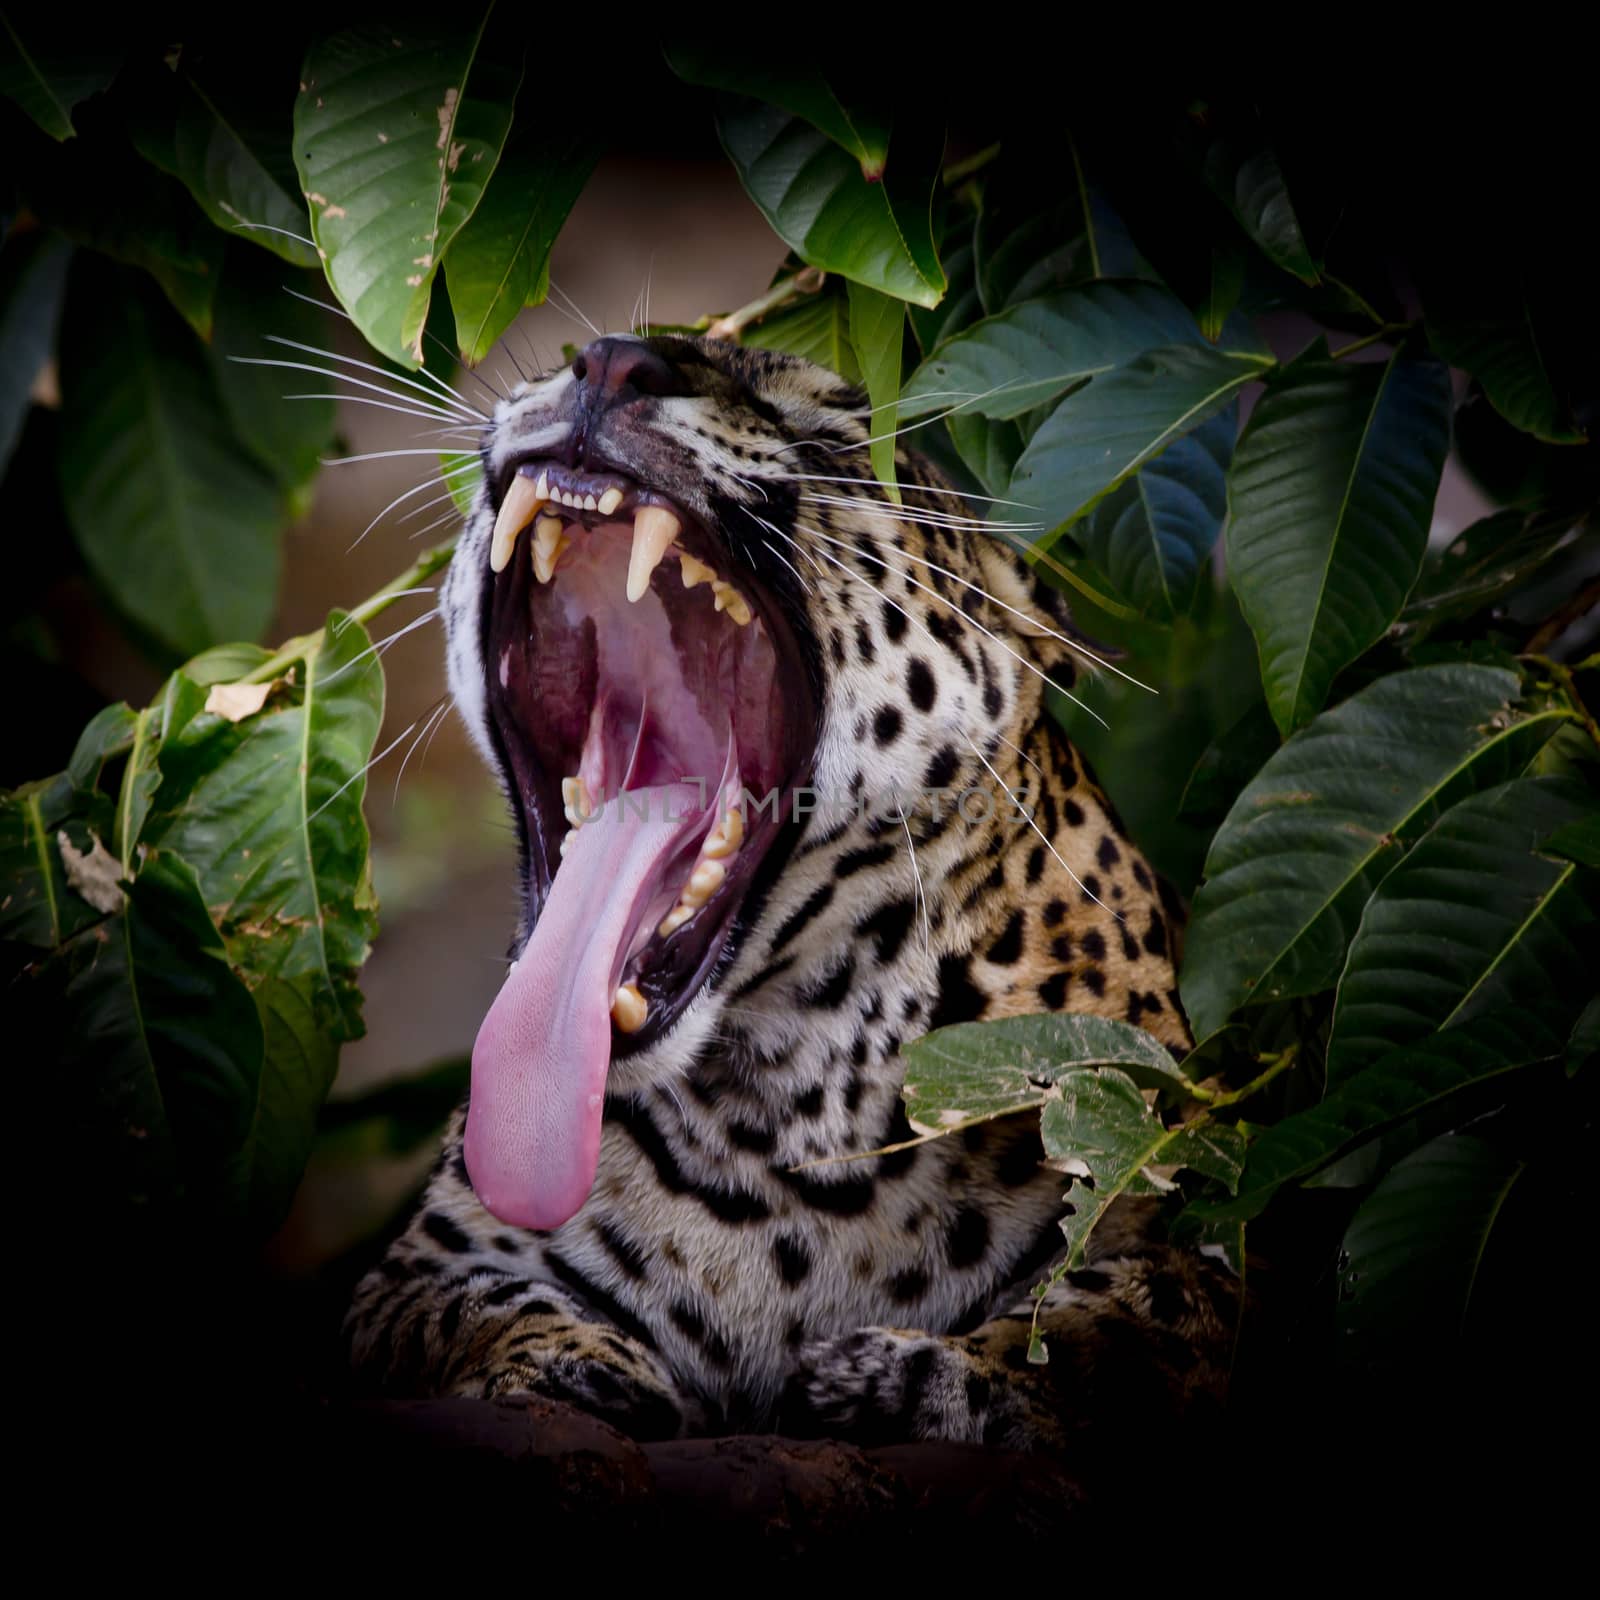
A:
(651, 710)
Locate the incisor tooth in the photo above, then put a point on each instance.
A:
(548, 543)
(654, 528)
(675, 919)
(588, 502)
(609, 501)
(629, 1009)
(695, 571)
(517, 510)
(730, 600)
(543, 486)
(725, 838)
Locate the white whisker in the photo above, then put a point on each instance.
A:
(267, 227)
(570, 307)
(383, 644)
(448, 398)
(433, 718)
(435, 411)
(918, 488)
(358, 776)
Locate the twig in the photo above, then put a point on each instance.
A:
(1276, 1064)
(1564, 616)
(1387, 331)
(807, 281)
(1564, 676)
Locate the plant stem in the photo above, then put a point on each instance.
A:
(1387, 331)
(293, 650)
(807, 281)
(1563, 675)
(1564, 616)
(1275, 1064)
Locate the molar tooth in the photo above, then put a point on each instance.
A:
(725, 838)
(694, 571)
(517, 510)
(629, 1009)
(548, 543)
(654, 528)
(730, 600)
(609, 501)
(704, 881)
(675, 919)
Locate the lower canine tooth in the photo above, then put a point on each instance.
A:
(517, 510)
(730, 600)
(675, 919)
(654, 529)
(548, 544)
(694, 571)
(609, 501)
(629, 1009)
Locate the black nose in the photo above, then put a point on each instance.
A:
(610, 368)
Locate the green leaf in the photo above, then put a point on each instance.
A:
(500, 261)
(38, 907)
(268, 809)
(1100, 1130)
(288, 437)
(878, 337)
(101, 194)
(462, 472)
(48, 73)
(1100, 436)
(1037, 350)
(990, 449)
(1409, 1261)
(298, 1063)
(1584, 1042)
(1499, 323)
(1152, 537)
(816, 328)
(975, 1071)
(800, 89)
(227, 142)
(33, 274)
(1575, 841)
(1242, 171)
(158, 1048)
(108, 734)
(395, 141)
(1314, 834)
(1471, 920)
(1398, 1086)
(960, 305)
(812, 192)
(1484, 563)
(175, 520)
(1330, 497)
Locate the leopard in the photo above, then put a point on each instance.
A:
(684, 1193)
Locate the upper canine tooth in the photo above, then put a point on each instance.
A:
(548, 543)
(654, 528)
(517, 510)
(609, 501)
(730, 600)
(695, 571)
(629, 1008)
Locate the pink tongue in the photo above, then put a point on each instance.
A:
(539, 1064)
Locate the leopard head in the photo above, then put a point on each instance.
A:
(714, 664)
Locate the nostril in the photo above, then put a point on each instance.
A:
(580, 369)
(612, 365)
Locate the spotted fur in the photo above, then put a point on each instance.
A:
(718, 1277)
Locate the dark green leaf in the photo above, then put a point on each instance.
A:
(989, 449)
(1398, 1086)
(500, 261)
(1575, 841)
(33, 273)
(48, 74)
(813, 194)
(158, 1048)
(397, 1117)
(1037, 350)
(1152, 537)
(816, 328)
(878, 336)
(288, 437)
(175, 520)
(109, 734)
(1330, 498)
(960, 304)
(222, 140)
(1409, 1261)
(395, 141)
(1100, 436)
(38, 907)
(268, 810)
(1584, 1041)
(1242, 170)
(1230, 761)
(1471, 920)
(1327, 817)
(974, 1071)
(799, 89)
(1484, 563)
